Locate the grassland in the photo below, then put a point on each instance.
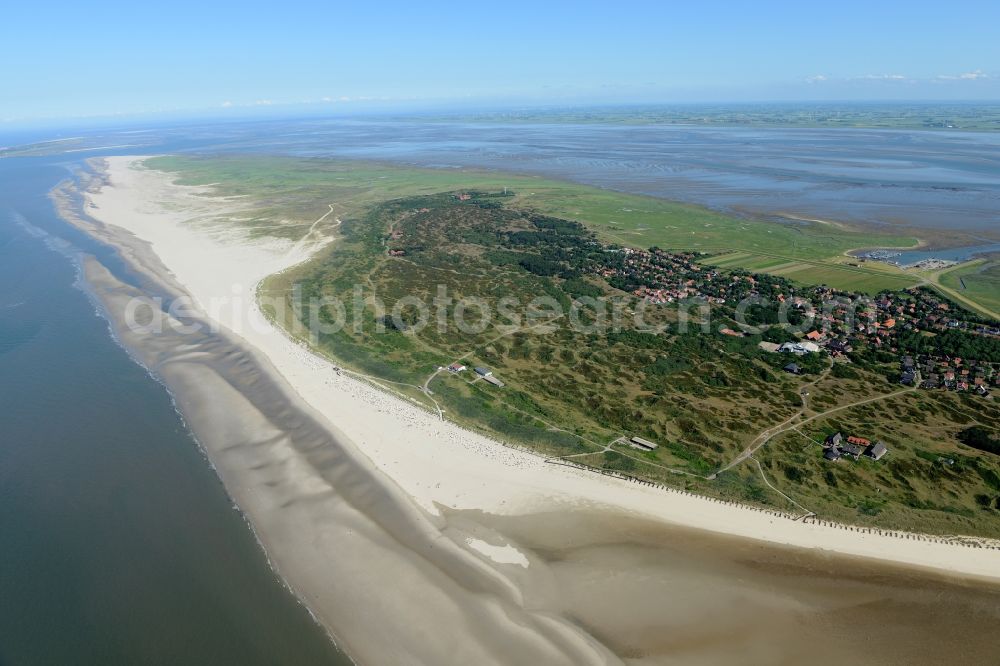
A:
(978, 281)
(703, 396)
(300, 189)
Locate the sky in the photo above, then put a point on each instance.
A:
(75, 59)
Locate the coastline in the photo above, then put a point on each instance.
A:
(405, 470)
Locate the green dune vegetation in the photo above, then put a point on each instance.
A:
(570, 388)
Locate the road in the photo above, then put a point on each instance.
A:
(791, 422)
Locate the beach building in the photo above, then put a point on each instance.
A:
(640, 443)
(484, 372)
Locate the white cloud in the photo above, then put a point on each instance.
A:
(263, 102)
(967, 76)
(882, 77)
(818, 78)
(227, 104)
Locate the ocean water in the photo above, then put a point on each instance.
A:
(922, 179)
(118, 544)
(936, 180)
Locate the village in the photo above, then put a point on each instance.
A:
(955, 349)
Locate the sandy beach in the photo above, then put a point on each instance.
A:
(344, 482)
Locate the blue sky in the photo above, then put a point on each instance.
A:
(73, 59)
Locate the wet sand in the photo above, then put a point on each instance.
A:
(410, 548)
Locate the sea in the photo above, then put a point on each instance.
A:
(945, 183)
(118, 543)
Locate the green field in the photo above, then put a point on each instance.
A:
(301, 189)
(869, 278)
(977, 280)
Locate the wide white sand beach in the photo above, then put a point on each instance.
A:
(436, 465)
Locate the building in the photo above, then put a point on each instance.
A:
(799, 348)
(493, 380)
(833, 440)
(640, 443)
(838, 347)
(484, 372)
(793, 368)
(907, 378)
(860, 441)
(832, 454)
(853, 450)
(876, 450)
(456, 367)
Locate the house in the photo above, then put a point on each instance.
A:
(814, 335)
(493, 380)
(860, 441)
(793, 368)
(876, 450)
(838, 347)
(640, 443)
(484, 372)
(456, 367)
(853, 450)
(799, 348)
(833, 440)
(907, 377)
(832, 454)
